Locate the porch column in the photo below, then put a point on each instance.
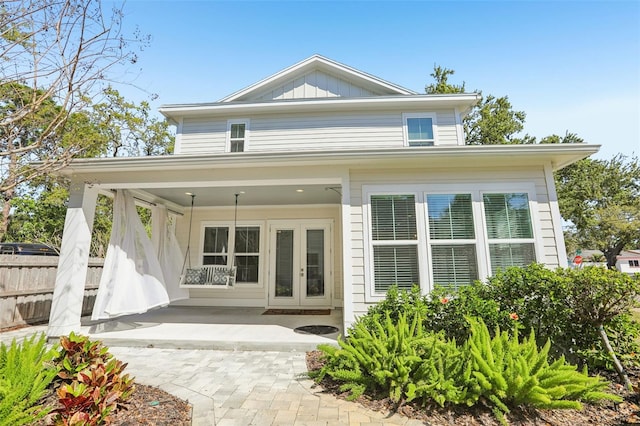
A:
(347, 260)
(155, 228)
(66, 306)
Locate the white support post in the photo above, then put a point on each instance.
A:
(156, 231)
(68, 294)
(347, 260)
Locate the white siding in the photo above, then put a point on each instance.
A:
(306, 132)
(200, 135)
(315, 84)
(535, 176)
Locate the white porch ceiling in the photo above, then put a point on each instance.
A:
(251, 195)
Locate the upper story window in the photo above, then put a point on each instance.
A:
(419, 129)
(634, 263)
(237, 135)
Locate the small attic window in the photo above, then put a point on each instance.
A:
(237, 135)
(419, 129)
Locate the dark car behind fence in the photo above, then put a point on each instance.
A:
(27, 249)
(26, 288)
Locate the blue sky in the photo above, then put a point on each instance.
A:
(569, 65)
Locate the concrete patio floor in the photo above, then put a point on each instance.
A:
(223, 328)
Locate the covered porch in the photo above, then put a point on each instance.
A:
(279, 226)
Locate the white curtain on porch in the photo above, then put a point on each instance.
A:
(169, 253)
(132, 281)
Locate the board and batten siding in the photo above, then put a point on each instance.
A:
(548, 252)
(307, 132)
(315, 84)
(255, 295)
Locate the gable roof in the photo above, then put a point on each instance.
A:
(318, 65)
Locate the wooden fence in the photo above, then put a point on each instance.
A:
(26, 288)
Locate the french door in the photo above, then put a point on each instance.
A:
(300, 264)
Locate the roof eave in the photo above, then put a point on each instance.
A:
(558, 156)
(463, 101)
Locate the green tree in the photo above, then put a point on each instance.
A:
(129, 129)
(492, 121)
(442, 85)
(25, 144)
(601, 199)
(114, 126)
(54, 55)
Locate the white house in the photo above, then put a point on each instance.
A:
(347, 185)
(628, 262)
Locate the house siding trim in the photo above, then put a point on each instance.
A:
(347, 260)
(555, 215)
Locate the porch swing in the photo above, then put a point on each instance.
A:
(208, 276)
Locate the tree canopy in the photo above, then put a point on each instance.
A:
(601, 199)
(55, 55)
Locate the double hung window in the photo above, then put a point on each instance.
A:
(419, 129)
(509, 230)
(395, 241)
(452, 239)
(465, 236)
(237, 135)
(246, 243)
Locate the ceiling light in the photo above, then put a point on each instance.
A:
(299, 190)
(189, 193)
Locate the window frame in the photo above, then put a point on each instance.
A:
(405, 128)
(229, 140)
(451, 241)
(394, 242)
(489, 241)
(232, 240)
(420, 191)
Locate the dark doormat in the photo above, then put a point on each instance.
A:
(316, 329)
(297, 312)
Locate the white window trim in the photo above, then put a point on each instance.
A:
(370, 294)
(434, 123)
(476, 189)
(247, 124)
(232, 241)
(477, 241)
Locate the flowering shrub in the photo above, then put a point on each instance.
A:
(530, 298)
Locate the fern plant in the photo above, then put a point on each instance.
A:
(26, 371)
(508, 371)
(382, 356)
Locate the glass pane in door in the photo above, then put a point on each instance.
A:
(284, 263)
(315, 262)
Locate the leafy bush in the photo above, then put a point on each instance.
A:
(532, 298)
(448, 312)
(407, 363)
(26, 371)
(409, 303)
(92, 382)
